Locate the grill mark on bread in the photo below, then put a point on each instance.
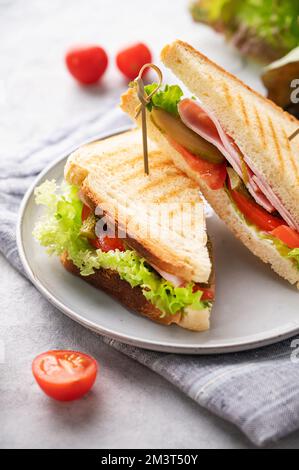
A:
(227, 94)
(127, 162)
(276, 143)
(140, 171)
(162, 180)
(291, 155)
(260, 127)
(160, 164)
(179, 207)
(166, 196)
(243, 109)
(106, 154)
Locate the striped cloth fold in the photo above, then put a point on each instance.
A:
(258, 391)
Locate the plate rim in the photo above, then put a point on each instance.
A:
(151, 345)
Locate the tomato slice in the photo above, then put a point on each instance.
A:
(65, 375)
(104, 243)
(287, 235)
(108, 244)
(208, 292)
(212, 173)
(255, 213)
(86, 211)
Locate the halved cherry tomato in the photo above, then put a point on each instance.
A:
(287, 235)
(255, 213)
(65, 375)
(86, 211)
(213, 174)
(87, 64)
(108, 244)
(208, 292)
(130, 60)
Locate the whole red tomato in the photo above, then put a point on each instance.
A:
(130, 60)
(87, 64)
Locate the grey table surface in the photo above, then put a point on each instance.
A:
(131, 407)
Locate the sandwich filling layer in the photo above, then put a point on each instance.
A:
(205, 146)
(68, 226)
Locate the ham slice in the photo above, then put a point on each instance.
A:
(175, 280)
(204, 123)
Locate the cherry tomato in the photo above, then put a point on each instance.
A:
(87, 64)
(65, 375)
(130, 60)
(255, 213)
(214, 174)
(287, 235)
(108, 244)
(86, 211)
(208, 292)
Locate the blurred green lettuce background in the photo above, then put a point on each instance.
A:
(263, 29)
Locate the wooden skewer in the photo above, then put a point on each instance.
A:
(144, 101)
(292, 136)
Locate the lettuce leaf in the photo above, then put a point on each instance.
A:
(166, 99)
(59, 230)
(283, 249)
(273, 23)
(294, 254)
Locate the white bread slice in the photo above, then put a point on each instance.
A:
(219, 200)
(258, 126)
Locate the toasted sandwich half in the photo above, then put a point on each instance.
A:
(141, 238)
(235, 144)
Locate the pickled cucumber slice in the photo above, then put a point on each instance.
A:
(87, 229)
(174, 127)
(236, 183)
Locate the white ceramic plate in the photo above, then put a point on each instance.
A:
(254, 307)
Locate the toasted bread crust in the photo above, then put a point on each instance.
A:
(132, 298)
(220, 202)
(259, 127)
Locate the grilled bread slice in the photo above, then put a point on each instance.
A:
(258, 126)
(219, 199)
(111, 176)
(110, 173)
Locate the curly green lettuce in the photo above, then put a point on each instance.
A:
(274, 23)
(166, 99)
(59, 230)
(294, 254)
